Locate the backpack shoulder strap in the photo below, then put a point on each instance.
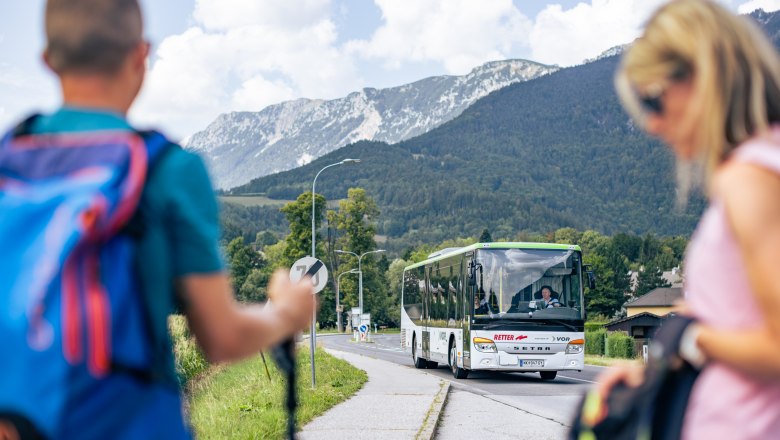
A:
(158, 147)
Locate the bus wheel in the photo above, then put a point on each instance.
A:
(418, 361)
(548, 375)
(459, 373)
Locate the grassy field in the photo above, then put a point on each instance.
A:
(253, 201)
(240, 402)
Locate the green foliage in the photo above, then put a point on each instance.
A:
(243, 260)
(265, 238)
(485, 237)
(594, 341)
(619, 345)
(298, 214)
(594, 325)
(242, 221)
(648, 279)
(189, 358)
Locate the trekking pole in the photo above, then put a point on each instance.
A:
(284, 355)
(266, 366)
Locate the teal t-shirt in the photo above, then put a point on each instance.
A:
(180, 218)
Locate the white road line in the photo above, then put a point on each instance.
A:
(575, 378)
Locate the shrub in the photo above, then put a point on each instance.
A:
(620, 345)
(190, 360)
(594, 341)
(594, 325)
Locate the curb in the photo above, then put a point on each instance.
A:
(428, 429)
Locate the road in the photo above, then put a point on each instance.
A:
(503, 405)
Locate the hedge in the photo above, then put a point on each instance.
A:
(594, 341)
(619, 345)
(594, 325)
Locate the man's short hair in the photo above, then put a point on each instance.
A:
(91, 36)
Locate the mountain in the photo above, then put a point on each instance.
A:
(557, 151)
(240, 146)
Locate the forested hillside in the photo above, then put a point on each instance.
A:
(557, 151)
(554, 152)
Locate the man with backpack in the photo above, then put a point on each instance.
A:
(104, 231)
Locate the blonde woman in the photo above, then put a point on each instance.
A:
(707, 83)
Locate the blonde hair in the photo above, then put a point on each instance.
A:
(734, 68)
(91, 36)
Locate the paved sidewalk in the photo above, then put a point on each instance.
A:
(471, 416)
(396, 403)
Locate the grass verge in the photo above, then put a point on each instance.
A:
(240, 402)
(592, 359)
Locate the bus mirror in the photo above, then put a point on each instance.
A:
(472, 274)
(591, 276)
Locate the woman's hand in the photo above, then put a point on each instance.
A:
(630, 374)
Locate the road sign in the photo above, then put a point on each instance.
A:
(363, 329)
(299, 268)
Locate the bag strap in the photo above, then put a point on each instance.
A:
(158, 147)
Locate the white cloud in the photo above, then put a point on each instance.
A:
(766, 5)
(244, 55)
(568, 37)
(230, 14)
(257, 93)
(459, 34)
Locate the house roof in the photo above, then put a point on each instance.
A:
(637, 316)
(658, 297)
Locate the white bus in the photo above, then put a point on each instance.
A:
(481, 307)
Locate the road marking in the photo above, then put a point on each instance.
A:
(575, 378)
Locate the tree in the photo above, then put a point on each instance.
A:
(612, 282)
(355, 221)
(485, 236)
(567, 236)
(265, 238)
(298, 214)
(650, 278)
(243, 260)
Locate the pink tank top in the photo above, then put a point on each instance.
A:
(726, 404)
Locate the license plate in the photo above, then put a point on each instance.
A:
(531, 362)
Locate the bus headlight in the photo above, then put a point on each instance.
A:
(575, 347)
(485, 345)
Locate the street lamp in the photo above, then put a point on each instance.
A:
(313, 334)
(360, 270)
(338, 287)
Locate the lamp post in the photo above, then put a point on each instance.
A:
(360, 276)
(313, 333)
(338, 287)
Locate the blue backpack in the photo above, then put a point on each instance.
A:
(77, 354)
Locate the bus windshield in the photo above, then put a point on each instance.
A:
(528, 284)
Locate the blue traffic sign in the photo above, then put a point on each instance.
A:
(363, 328)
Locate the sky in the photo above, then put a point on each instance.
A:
(215, 56)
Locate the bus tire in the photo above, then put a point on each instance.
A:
(548, 375)
(419, 362)
(459, 373)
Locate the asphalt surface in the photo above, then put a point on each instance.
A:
(509, 402)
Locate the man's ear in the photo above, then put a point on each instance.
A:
(45, 58)
(139, 55)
